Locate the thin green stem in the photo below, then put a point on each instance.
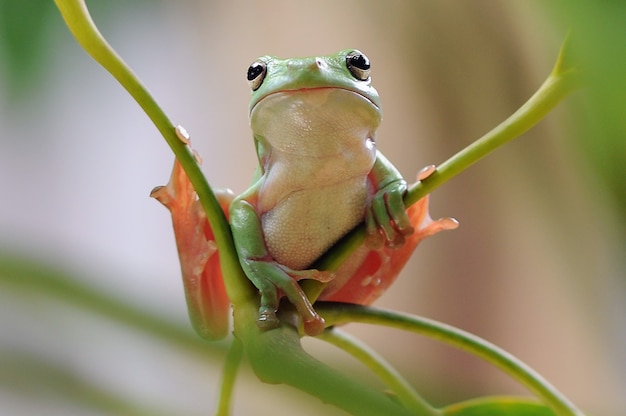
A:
(335, 313)
(556, 87)
(229, 375)
(83, 28)
(392, 378)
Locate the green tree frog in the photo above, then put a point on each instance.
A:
(314, 123)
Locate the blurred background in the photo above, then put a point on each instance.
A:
(537, 265)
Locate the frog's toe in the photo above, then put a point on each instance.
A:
(314, 326)
(267, 319)
(397, 242)
(373, 237)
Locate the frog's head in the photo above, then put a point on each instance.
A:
(348, 69)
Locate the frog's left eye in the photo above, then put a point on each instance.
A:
(359, 65)
(256, 74)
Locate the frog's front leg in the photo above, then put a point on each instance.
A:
(271, 278)
(387, 222)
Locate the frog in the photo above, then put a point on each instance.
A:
(314, 123)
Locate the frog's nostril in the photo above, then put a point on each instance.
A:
(319, 64)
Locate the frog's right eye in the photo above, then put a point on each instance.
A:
(256, 74)
(359, 65)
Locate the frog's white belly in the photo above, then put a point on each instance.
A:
(302, 226)
(317, 152)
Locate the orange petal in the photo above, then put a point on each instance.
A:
(206, 296)
(368, 273)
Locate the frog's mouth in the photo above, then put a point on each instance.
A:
(309, 90)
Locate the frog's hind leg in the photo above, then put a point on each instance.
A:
(288, 285)
(270, 278)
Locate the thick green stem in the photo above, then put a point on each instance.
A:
(278, 357)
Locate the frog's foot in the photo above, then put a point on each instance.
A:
(267, 318)
(387, 222)
(313, 323)
(314, 326)
(322, 276)
(282, 282)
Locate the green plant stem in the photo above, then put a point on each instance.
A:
(336, 313)
(392, 378)
(229, 375)
(79, 21)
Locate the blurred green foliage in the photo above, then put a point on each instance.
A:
(598, 34)
(23, 30)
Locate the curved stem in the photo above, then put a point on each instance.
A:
(79, 21)
(229, 375)
(394, 380)
(336, 313)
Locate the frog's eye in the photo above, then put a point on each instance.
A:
(256, 74)
(358, 65)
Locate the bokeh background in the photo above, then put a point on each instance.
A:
(537, 266)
